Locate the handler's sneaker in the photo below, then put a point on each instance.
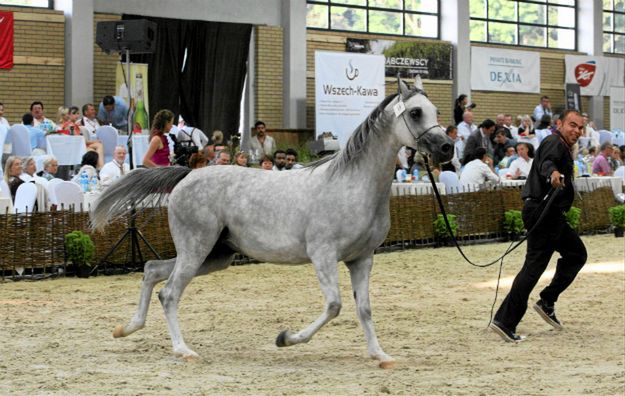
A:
(548, 313)
(505, 333)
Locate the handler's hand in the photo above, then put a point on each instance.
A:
(557, 179)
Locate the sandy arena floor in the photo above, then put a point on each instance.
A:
(430, 307)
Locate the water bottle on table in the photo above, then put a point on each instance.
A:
(93, 184)
(84, 181)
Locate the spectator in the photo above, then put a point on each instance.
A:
(543, 108)
(116, 168)
(209, 153)
(89, 119)
(3, 121)
(222, 157)
(502, 143)
(40, 121)
(520, 167)
(500, 121)
(460, 107)
(291, 159)
(526, 129)
(37, 136)
(197, 160)
(186, 133)
(113, 110)
(67, 121)
(217, 140)
(616, 160)
(158, 150)
(479, 138)
(261, 144)
(508, 158)
(12, 172)
(601, 165)
(88, 165)
(50, 167)
(279, 160)
(590, 132)
(453, 165)
(543, 129)
(479, 170)
(29, 169)
(240, 159)
(514, 131)
(465, 129)
(266, 162)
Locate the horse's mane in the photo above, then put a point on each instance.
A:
(357, 142)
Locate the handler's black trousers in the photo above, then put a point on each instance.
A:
(552, 234)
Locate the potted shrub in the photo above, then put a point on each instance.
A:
(572, 217)
(617, 218)
(513, 224)
(79, 249)
(440, 229)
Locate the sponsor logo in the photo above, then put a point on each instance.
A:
(585, 72)
(510, 77)
(329, 89)
(351, 72)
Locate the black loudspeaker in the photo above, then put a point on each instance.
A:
(136, 35)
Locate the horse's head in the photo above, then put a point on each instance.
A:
(416, 123)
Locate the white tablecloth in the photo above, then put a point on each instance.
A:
(68, 150)
(5, 203)
(512, 182)
(582, 183)
(419, 188)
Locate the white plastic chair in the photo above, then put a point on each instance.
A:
(25, 198)
(605, 136)
(618, 137)
(108, 136)
(4, 189)
(620, 172)
(140, 145)
(50, 188)
(20, 140)
(68, 194)
(450, 180)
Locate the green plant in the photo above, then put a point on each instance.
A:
(513, 221)
(440, 229)
(617, 216)
(79, 248)
(572, 217)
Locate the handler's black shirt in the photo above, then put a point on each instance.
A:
(552, 154)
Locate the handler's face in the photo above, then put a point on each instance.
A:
(571, 128)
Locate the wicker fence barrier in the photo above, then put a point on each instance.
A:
(34, 243)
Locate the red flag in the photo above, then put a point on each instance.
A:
(6, 40)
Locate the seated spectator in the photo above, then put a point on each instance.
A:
(266, 162)
(113, 110)
(478, 171)
(89, 120)
(12, 171)
(507, 122)
(279, 160)
(453, 165)
(543, 129)
(197, 160)
(601, 165)
(526, 129)
(520, 167)
(67, 121)
(479, 139)
(209, 153)
(240, 159)
(50, 167)
(217, 140)
(40, 121)
(500, 121)
(29, 169)
(37, 136)
(508, 158)
(291, 159)
(88, 164)
(158, 150)
(615, 159)
(116, 168)
(502, 143)
(222, 157)
(3, 121)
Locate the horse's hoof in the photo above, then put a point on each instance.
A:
(281, 339)
(118, 332)
(191, 358)
(387, 364)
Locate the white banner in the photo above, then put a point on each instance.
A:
(494, 69)
(617, 108)
(348, 87)
(594, 74)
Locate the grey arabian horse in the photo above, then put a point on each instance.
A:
(335, 210)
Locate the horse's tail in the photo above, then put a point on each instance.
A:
(118, 199)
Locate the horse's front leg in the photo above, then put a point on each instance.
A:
(359, 271)
(327, 273)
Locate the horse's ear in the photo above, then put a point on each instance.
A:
(403, 89)
(418, 84)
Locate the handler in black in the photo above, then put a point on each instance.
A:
(552, 168)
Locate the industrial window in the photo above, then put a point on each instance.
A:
(614, 26)
(531, 23)
(414, 18)
(28, 3)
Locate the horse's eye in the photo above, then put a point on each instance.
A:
(416, 113)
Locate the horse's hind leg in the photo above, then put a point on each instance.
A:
(327, 273)
(359, 271)
(154, 271)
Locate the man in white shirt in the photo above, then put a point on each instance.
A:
(261, 144)
(477, 172)
(465, 129)
(544, 107)
(520, 167)
(116, 168)
(89, 120)
(507, 122)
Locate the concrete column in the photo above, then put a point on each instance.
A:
(79, 41)
(294, 25)
(590, 41)
(454, 20)
(249, 117)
